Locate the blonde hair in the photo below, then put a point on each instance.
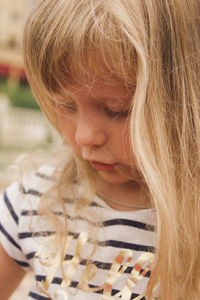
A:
(154, 45)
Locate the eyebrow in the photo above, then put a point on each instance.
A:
(114, 99)
(126, 97)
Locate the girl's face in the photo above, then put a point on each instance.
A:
(95, 123)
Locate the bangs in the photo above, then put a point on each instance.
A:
(73, 52)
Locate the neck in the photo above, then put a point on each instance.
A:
(128, 196)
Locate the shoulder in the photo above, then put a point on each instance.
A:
(35, 184)
(16, 203)
(39, 181)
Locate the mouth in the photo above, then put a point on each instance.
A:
(102, 166)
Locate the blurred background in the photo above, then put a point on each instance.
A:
(22, 125)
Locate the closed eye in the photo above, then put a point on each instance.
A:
(72, 108)
(116, 114)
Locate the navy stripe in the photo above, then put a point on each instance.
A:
(30, 255)
(103, 265)
(135, 295)
(39, 194)
(38, 297)
(32, 212)
(127, 222)
(107, 223)
(94, 204)
(109, 243)
(24, 235)
(10, 208)
(22, 263)
(124, 245)
(30, 192)
(68, 200)
(10, 239)
(98, 264)
(119, 244)
(44, 176)
(74, 284)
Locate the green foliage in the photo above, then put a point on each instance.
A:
(4, 87)
(22, 97)
(19, 95)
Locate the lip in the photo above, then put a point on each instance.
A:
(102, 166)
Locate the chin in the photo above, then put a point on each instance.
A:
(114, 178)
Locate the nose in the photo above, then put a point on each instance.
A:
(89, 132)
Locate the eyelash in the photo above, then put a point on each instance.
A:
(115, 114)
(111, 114)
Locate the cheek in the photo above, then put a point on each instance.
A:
(126, 146)
(67, 128)
(124, 137)
(127, 151)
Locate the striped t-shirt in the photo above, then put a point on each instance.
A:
(120, 266)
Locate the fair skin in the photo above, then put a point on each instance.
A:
(95, 123)
(11, 275)
(94, 120)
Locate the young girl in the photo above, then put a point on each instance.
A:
(117, 217)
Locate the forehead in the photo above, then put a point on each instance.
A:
(100, 89)
(93, 72)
